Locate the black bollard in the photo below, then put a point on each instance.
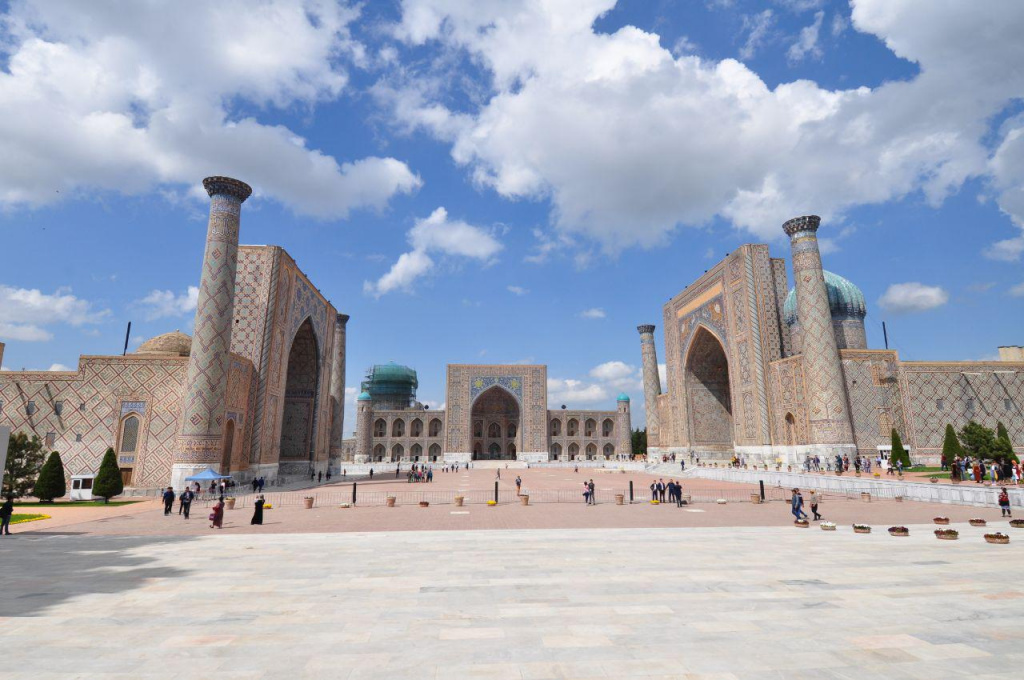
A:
(495, 492)
(353, 493)
(631, 491)
(761, 482)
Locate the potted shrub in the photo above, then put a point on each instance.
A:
(876, 475)
(620, 499)
(941, 520)
(345, 505)
(307, 502)
(424, 504)
(229, 503)
(524, 498)
(390, 501)
(721, 501)
(898, 499)
(687, 499)
(828, 526)
(899, 531)
(977, 522)
(947, 534)
(861, 529)
(801, 523)
(997, 538)
(865, 496)
(839, 473)
(459, 500)
(1017, 523)
(492, 503)
(654, 501)
(933, 479)
(755, 497)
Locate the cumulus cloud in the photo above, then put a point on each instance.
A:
(603, 382)
(517, 290)
(573, 392)
(758, 28)
(905, 298)
(129, 97)
(160, 304)
(806, 44)
(628, 141)
(593, 313)
(24, 312)
(441, 236)
(59, 367)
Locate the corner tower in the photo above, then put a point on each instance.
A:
(624, 442)
(200, 432)
(828, 414)
(338, 393)
(652, 382)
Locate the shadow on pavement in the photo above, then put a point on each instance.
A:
(41, 570)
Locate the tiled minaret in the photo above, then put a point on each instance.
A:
(364, 428)
(202, 416)
(652, 383)
(338, 392)
(827, 410)
(624, 442)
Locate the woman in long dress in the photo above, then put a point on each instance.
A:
(257, 514)
(217, 515)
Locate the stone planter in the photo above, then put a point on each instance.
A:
(955, 481)
(801, 524)
(977, 522)
(865, 496)
(899, 531)
(946, 534)
(1017, 523)
(390, 501)
(827, 526)
(941, 520)
(424, 504)
(789, 468)
(839, 473)
(229, 503)
(307, 503)
(856, 474)
(686, 498)
(899, 499)
(862, 530)
(620, 499)
(459, 500)
(755, 498)
(934, 480)
(1001, 539)
(525, 499)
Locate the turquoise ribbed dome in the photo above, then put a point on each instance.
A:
(364, 396)
(623, 397)
(844, 299)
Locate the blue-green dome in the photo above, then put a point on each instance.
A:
(364, 396)
(844, 299)
(623, 397)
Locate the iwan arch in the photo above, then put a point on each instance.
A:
(770, 374)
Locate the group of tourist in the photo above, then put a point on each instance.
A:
(975, 470)
(419, 473)
(318, 477)
(843, 463)
(589, 492)
(797, 505)
(673, 490)
(259, 482)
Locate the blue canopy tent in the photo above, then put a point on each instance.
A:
(207, 475)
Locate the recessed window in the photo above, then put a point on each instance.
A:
(51, 439)
(1007, 405)
(58, 407)
(31, 408)
(1, 408)
(78, 437)
(940, 404)
(81, 407)
(970, 404)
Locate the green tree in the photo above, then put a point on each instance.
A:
(51, 483)
(24, 458)
(898, 452)
(108, 482)
(950, 446)
(639, 441)
(979, 441)
(1003, 441)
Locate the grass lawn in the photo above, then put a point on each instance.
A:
(70, 504)
(19, 519)
(928, 469)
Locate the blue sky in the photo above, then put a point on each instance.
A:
(589, 159)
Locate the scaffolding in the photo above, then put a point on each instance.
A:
(390, 385)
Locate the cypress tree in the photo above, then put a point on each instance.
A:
(51, 483)
(1003, 441)
(950, 447)
(898, 452)
(108, 482)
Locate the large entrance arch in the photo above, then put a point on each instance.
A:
(298, 429)
(495, 417)
(709, 402)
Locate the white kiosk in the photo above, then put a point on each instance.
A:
(81, 487)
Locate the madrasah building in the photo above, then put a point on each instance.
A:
(259, 389)
(769, 373)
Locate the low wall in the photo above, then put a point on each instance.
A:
(951, 494)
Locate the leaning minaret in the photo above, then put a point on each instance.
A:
(652, 383)
(830, 429)
(201, 426)
(338, 392)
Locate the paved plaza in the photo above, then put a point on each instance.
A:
(745, 603)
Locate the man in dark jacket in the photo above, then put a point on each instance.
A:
(168, 501)
(6, 510)
(186, 501)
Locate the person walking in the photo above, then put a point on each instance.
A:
(257, 513)
(519, 485)
(798, 505)
(217, 514)
(168, 500)
(320, 477)
(593, 492)
(6, 510)
(186, 501)
(328, 474)
(371, 473)
(1004, 502)
(815, 500)
(255, 484)
(586, 493)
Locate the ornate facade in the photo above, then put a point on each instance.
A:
(770, 373)
(255, 392)
(494, 412)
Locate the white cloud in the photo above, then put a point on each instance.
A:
(613, 370)
(572, 392)
(904, 298)
(593, 313)
(1018, 290)
(160, 304)
(807, 42)
(758, 27)
(131, 97)
(434, 234)
(683, 45)
(25, 312)
(662, 151)
(59, 367)
(839, 25)
(663, 376)
(1007, 250)
(517, 290)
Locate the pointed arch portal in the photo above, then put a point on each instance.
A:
(496, 406)
(298, 429)
(708, 397)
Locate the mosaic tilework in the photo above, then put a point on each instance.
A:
(652, 382)
(708, 392)
(533, 402)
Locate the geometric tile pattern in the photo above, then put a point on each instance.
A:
(527, 383)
